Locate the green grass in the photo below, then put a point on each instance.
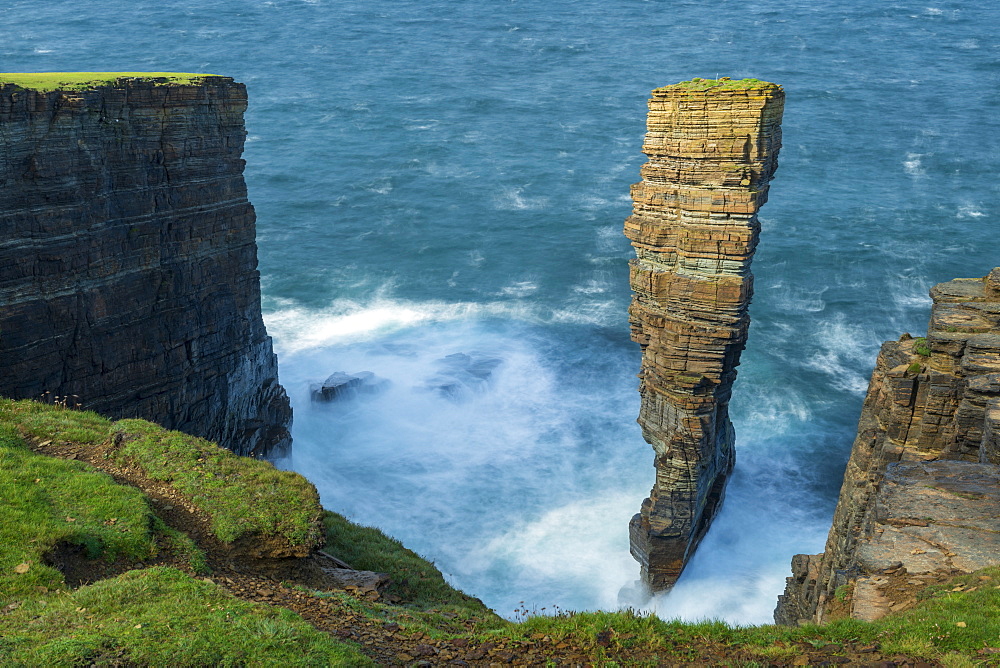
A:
(45, 502)
(723, 83)
(948, 620)
(948, 625)
(184, 547)
(162, 617)
(920, 347)
(44, 81)
(54, 422)
(414, 580)
(243, 496)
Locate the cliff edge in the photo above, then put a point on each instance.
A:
(921, 492)
(128, 260)
(713, 149)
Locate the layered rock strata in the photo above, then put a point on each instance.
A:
(921, 493)
(128, 260)
(712, 148)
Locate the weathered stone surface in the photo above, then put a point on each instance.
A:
(712, 148)
(128, 261)
(922, 487)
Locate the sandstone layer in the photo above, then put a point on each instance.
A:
(712, 149)
(128, 259)
(921, 493)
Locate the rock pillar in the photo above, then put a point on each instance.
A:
(712, 148)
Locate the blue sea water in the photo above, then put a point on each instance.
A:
(436, 177)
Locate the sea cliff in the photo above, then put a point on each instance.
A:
(921, 492)
(128, 260)
(713, 149)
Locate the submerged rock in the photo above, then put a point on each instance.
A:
(342, 386)
(461, 374)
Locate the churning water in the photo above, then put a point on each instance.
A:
(437, 179)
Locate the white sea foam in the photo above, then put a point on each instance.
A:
(381, 185)
(579, 547)
(844, 352)
(500, 483)
(513, 199)
(296, 329)
(912, 164)
(588, 312)
(421, 124)
(969, 211)
(610, 238)
(429, 464)
(797, 298)
(519, 289)
(592, 287)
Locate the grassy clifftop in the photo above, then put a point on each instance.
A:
(135, 565)
(45, 81)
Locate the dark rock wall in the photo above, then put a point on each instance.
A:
(128, 261)
(921, 493)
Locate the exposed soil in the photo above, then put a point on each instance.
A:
(280, 582)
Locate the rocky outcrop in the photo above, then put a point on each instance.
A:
(712, 148)
(128, 261)
(921, 491)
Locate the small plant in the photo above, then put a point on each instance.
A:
(842, 593)
(920, 347)
(67, 401)
(914, 368)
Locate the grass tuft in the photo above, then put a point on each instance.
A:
(414, 580)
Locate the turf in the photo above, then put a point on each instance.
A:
(415, 580)
(48, 502)
(243, 496)
(722, 84)
(162, 617)
(45, 81)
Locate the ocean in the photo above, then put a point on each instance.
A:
(437, 179)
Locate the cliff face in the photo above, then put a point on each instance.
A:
(712, 148)
(128, 261)
(922, 487)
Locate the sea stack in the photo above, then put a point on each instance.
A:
(921, 492)
(128, 258)
(713, 149)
